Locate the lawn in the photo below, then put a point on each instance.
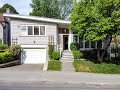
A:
(54, 65)
(88, 66)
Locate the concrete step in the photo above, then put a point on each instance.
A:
(67, 58)
(67, 54)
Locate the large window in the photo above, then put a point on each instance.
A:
(36, 30)
(23, 30)
(32, 30)
(88, 44)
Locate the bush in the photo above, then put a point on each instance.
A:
(54, 65)
(77, 54)
(92, 55)
(56, 55)
(73, 46)
(15, 50)
(3, 47)
(50, 51)
(6, 57)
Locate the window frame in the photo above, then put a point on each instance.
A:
(32, 30)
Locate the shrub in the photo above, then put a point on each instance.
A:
(51, 50)
(3, 47)
(6, 57)
(54, 65)
(56, 55)
(73, 46)
(92, 55)
(77, 54)
(15, 50)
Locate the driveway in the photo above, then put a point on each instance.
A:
(24, 67)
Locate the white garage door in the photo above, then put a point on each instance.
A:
(34, 56)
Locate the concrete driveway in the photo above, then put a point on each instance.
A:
(24, 67)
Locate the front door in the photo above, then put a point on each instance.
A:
(65, 42)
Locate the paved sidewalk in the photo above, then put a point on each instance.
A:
(59, 77)
(67, 61)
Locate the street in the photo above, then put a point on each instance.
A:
(42, 86)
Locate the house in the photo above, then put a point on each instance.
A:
(4, 29)
(34, 34)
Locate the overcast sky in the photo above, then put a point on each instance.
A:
(22, 6)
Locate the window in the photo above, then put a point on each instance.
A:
(75, 39)
(87, 44)
(30, 30)
(93, 44)
(81, 42)
(36, 30)
(42, 30)
(99, 44)
(23, 30)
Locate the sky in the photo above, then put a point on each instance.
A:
(22, 6)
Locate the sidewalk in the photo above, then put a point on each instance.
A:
(59, 77)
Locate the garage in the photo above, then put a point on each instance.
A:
(36, 55)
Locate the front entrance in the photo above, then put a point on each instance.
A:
(65, 42)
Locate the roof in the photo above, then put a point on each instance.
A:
(36, 18)
(2, 19)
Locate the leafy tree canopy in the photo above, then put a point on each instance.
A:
(5, 6)
(96, 19)
(59, 9)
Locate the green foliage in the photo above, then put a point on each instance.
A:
(0, 41)
(83, 66)
(73, 46)
(96, 20)
(51, 8)
(77, 54)
(5, 6)
(56, 55)
(90, 54)
(51, 50)
(6, 57)
(15, 50)
(54, 65)
(3, 47)
(87, 66)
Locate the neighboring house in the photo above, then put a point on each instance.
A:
(4, 30)
(34, 34)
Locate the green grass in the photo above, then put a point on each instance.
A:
(88, 66)
(54, 65)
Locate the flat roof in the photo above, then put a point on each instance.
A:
(37, 18)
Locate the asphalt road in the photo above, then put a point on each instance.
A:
(41, 86)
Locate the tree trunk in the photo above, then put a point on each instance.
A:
(101, 53)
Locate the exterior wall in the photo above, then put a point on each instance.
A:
(1, 32)
(51, 29)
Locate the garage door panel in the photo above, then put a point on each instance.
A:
(34, 56)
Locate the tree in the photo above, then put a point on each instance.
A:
(97, 20)
(59, 9)
(5, 6)
(46, 8)
(66, 7)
